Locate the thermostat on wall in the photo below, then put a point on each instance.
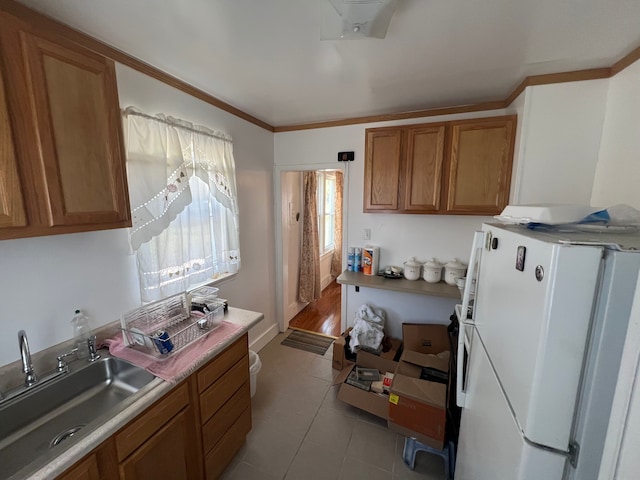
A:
(346, 156)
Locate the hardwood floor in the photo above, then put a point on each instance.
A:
(323, 315)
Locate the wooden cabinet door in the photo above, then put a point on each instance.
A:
(479, 170)
(12, 212)
(86, 469)
(423, 170)
(67, 128)
(75, 103)
(167, 454)
(382, 169)
(142, 428)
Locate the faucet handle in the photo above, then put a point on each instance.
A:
(91, 343)
(62, 365)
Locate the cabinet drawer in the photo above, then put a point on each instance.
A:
(223, 362)
(137, 432)
(218, 394)
(228, 446)
(225, 417)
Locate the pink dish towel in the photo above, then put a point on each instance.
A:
(179, 365)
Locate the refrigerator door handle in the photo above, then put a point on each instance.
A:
(472, 272)
(461, 393)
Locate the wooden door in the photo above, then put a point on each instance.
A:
(12, 212)
(75, 103)
(423, 170)
(382, 169)
(167, 454)
(479, 170)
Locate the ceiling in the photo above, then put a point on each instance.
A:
(266, 58)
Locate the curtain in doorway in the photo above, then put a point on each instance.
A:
(336, 260)
(309, 288)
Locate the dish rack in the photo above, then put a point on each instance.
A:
(163, 328)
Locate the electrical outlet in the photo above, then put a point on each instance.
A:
(367, 234)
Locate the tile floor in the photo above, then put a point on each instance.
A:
(302, 431)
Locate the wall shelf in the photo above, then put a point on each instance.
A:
(419, 286)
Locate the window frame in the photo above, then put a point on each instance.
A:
(322, 214)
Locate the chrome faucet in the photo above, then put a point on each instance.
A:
(91, 344)
(25, 355)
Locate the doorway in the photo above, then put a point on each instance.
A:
(323, 316)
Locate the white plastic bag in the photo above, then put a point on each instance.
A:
(368, 328)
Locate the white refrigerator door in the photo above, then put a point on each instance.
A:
(491, 446)
(534, 324)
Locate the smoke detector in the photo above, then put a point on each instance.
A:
(350, 19)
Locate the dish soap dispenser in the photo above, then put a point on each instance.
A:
(81, 333)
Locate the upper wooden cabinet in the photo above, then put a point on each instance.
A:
(424, 156)
(479, 169)
(382, 169)
(12, 213)
(63, 108)
(459, 167)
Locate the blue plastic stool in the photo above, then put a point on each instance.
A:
(413, 446)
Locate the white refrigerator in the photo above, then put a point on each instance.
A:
(542, 326)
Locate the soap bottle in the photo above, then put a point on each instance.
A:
(351, 259)
(357, 260)
(81, 333)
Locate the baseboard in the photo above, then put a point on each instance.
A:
(262, 341)
(325, 281)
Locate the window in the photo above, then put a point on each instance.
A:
(184, 206)
(326, 202)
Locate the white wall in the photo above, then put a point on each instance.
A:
(253, 287)
(399, 237)
(618, 173)
(616, 181)
(557, 152)
(291, 236)
(46, 278)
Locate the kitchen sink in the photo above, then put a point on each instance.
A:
(47, 419)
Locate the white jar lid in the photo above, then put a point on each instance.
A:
(412, 263)
(455, 264)
(432, 263)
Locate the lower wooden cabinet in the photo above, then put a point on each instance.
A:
(193, 432)
(225, 407)
(224, 451)
(86, 469)
(165, 455)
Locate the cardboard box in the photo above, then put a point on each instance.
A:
(374, 403)
(418, 407)
(396, 345)
(339, 360)
(425, 338)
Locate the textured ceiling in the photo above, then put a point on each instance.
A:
(266, 58)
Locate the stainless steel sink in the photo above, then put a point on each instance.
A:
(38, 425)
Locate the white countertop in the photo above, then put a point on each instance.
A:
(131, 408)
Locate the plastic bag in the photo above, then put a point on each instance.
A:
(616, 215)
(368, 328)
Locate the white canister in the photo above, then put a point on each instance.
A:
(432, 271)
(454, 270)
(412, 269)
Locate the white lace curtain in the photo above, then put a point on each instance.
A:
(184, 206)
